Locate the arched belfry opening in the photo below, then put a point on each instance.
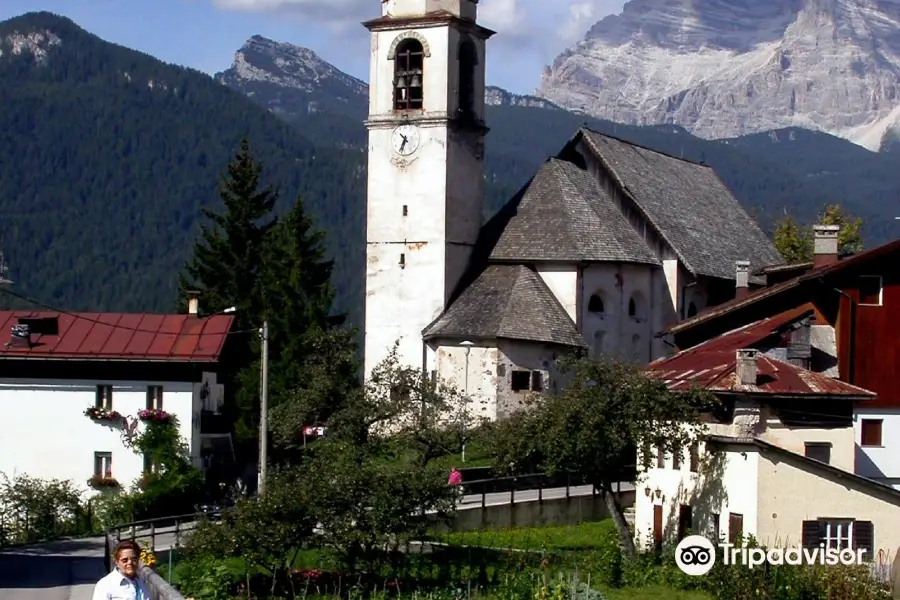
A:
(468, 62)
(409, 70)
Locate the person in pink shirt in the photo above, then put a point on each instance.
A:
(456, 480)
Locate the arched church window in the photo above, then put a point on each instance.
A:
(637, 307)
(692, 310)
(409, 63)
(595, 304)
(468, 59)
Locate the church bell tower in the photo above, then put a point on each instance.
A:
(425, 168)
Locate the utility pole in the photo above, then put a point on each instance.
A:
(264, 411)
(468, 346)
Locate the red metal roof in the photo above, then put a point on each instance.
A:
(711, 365)
(757, 295)
(119, 336)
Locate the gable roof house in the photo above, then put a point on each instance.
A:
(603, 248)
(75, 384)
(778, 460)
(853, 335)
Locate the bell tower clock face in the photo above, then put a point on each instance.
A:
(405, 139)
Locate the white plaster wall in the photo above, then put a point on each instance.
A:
(402, 8)
(881, 464)
(46, 434)
(624, 337)
(728, 487)
(791, 494)
(451, 364)
(795, 439)
(562, 279)
(440, 184)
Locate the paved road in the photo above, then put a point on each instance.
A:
(67, 570)
(64, 570)
(165, 537)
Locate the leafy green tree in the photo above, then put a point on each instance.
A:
(795, 242)
(595, 424)
(265, 532)
(35, 510)
(367, 500)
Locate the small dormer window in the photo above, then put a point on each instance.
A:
(408, 74)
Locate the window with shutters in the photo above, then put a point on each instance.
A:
(154, 397)
(103, 397)
(840, 534)
(103, 464)
(676, 459)
(735, 528)
(685, 521)
(820, 451)
(716, 528)
(660, 458)
(870, 430)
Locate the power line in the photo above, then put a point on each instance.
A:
(76, 315)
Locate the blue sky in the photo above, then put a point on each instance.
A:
(204, 34)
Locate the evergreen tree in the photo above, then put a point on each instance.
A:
(312, 363)
(226, 269)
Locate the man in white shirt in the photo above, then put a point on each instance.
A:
(123, 583)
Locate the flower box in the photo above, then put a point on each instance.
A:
(103, 415)
(103, 482)
(153, 415)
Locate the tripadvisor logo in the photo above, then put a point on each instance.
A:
(696, 555)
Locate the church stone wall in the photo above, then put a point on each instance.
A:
(562, 279)
(614, 332)
(450, 367)
(526, 356)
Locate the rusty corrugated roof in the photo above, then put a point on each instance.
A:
(712, 364)
(119, 336)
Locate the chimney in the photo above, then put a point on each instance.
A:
(741, 279)
(825, 247)
(745, 366)
(193, 302)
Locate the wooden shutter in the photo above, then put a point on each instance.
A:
(864, 538)
(813, 533)
(736, 529)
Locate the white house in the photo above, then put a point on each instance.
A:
(56, 366)
(848, 332)
(606, 245)
(779, 456)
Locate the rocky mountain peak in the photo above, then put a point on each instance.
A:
(35, 43)
(725, 68)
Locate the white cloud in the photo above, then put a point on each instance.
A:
(334, 14)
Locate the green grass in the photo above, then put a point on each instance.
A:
(584, 536)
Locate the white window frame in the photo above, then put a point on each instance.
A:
(838, 535)
(154, 397)
(105, 464)
(104, 397)
(880, 289)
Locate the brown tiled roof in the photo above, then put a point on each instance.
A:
(564, 215)
(507, 301)
(712, 365)
(688, 204)
(118, 336)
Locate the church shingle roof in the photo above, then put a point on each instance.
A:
(507, 301)
(689, 205)
(564, 215)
